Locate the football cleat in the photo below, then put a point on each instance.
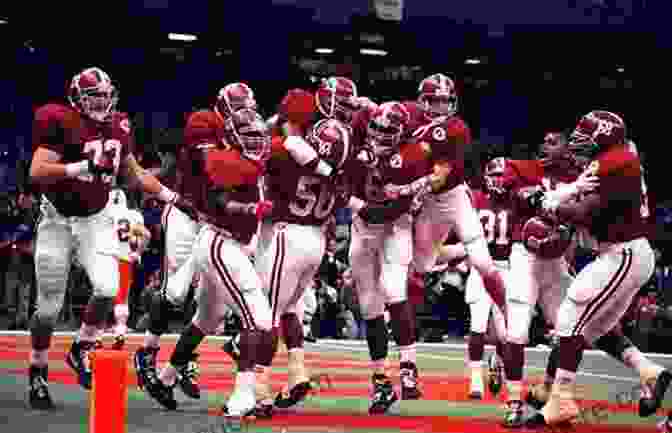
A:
(119, 342)
(653, 393)
(38, 391)
(294, 396)
(513, 416)
(78, 360)
(145, 364)
(408, 373)
(537, 395)
(383, 395)
(187, 378)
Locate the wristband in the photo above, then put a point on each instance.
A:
(323, 169)
(75, 169)
(166, 195)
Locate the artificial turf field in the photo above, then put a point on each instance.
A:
(340, 404)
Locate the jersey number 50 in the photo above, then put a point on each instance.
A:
(314, 196)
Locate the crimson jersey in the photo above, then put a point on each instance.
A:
(447, 139)
(227, 170)
(408, 164)
(498, 218)
(526, 173)
(418, 117)
(299, 196)
(620, 217)
(204, 130)
(75, 137)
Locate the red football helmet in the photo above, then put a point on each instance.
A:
(388, 123)
(249, 133)
(336, 98)
(554, 151)
(596, 131)
(234, 97)
(493, 175)
(437, 96)
(545, 238)
(93, 94)
(298, 106)
(331, 140)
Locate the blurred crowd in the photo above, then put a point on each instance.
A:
(332, 310)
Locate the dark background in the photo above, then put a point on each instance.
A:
(543, 64)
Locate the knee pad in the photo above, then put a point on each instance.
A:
(371, 304)
(568, 316)
(479, 255)
(393, 281)
(520, 318)
(480, 313)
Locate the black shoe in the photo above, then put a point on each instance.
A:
(160, 392)
(119, 342)
(653, 394)
(145, 364)
(533, 399)
(383, 395)
(78, 360)
(409, 381)
(187, 378)
(309, 337)
(38, 390)
(514, 416)
(263, 411)
(294, 396)
(232, 349)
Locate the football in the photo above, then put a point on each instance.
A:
(546, 239)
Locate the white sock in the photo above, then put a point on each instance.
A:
(475, 364)
(87, 333)
(39, 358)
(121, 314)
(407, 353)
(152, 340)
(168, 375)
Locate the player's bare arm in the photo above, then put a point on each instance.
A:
(47, 168)
(222, 200)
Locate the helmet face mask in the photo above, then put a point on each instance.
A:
(336, 98)
(93, 94)
(250, 134)
(437, 96)
(388, 123)
(493, 178)
(234, 97)
(596, 132)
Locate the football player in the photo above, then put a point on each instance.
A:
(446, 205)
(205, 130)
(604, 289)
(537, 279)
(494, 208)
(79, 149)
(133, 239)
(294, 237)
(381, 248)
(654, 378)
(228, 199)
